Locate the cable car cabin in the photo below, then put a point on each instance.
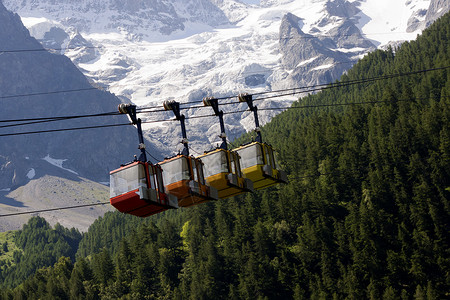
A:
(137, 189)
(259, 165)
(183, 177)
(223, 171)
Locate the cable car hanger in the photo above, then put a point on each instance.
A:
(130, 110)
(245, 97)
(213, 102)
(175, 107)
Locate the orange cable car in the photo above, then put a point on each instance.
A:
(137, 188)
(222, 166)
(257, 158)
(183, 174)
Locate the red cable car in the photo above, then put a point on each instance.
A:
(137, 188)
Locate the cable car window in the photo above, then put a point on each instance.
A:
(215, 163)
(175, 170)
(275, 161)
(151, 177)
(127, 179)
(194, 170)
(251, 156)
(233, 164)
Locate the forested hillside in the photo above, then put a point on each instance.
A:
(37, 245)
(366, 214)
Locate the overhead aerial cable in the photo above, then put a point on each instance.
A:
(47, 49)
(208, 116)
(293, 91)
(52, 209)
(50, 119)
(309, 89)
(63, 129)
(48, 93)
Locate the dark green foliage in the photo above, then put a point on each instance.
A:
(365, 216)
(109, 230)
(41, 246)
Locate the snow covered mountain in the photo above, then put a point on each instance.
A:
(150, 51)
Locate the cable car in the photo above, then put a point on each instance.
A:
(222, 166)
(260, 166)
(223, 171)
(257, 158)
(183, 174)
(137, 188)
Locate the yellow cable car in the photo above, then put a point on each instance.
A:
(223, 171)
(257, 158)
(222, 166)
(258, 164)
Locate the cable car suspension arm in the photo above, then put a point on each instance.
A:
(130, 110)
(244, 97)
(175, 107)
(213, 102)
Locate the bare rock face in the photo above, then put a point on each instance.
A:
(423, 18)
(414, 22)
(321, 59)
(437, 9)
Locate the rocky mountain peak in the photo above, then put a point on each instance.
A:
(21, 38)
